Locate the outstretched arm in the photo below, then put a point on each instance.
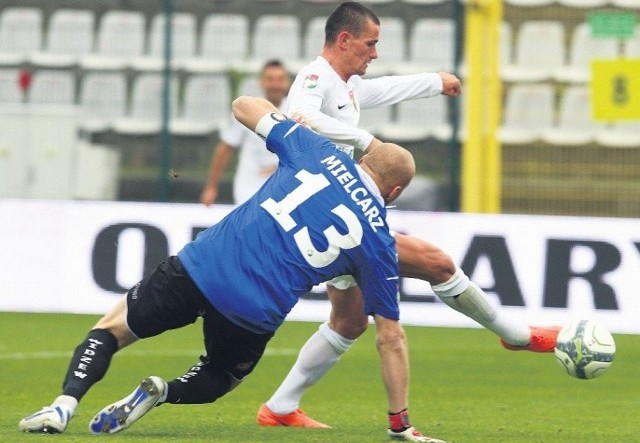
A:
(249, 110)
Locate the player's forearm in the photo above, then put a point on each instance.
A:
(249, 110)
(389, 90)
(334, 130)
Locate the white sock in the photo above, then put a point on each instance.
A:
(317, 356)
(466, 297)
(68, 402)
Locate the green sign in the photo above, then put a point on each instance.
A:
(616, 24)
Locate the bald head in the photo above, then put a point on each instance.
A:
(391, 166)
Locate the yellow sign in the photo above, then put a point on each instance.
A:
(615, 89)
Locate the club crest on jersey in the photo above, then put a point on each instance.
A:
(310, 81)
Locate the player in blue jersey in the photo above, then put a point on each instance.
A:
(319, 216)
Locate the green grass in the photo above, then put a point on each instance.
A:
(464, 388)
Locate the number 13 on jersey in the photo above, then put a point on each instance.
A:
(311, 184)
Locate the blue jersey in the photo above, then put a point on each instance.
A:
(313, 220)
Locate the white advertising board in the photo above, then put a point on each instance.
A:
(79, 257)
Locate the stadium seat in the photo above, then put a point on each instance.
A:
(419, 119)
(144, 116)
(52, 87)
(20, 34)
(374, 119)
(275, 36)
(249, 85)
(183, 42)
(69, 36)
(314, 38)
(530, 2)
(206, 105)
(224, 42)
(431, 46)
(633, 4)
(506, 49)
(103, 99)
(583, 3)
(391, 47)
(584, 48)
(540, 51)
(623, 134)
(528, 113)
(120, 39)
(632, 45)
(575, 124)
(10, 92)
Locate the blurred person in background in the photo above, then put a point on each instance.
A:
(255, 163)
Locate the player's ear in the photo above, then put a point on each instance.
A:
(393, 194)
(343, 39)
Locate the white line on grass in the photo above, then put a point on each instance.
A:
(44, 355)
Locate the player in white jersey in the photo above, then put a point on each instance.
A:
(328, 94)
(319, 215)
(255, 163)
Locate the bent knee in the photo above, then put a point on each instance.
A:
(349, 327)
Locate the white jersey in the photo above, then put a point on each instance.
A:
(332, 106)
(255, 162)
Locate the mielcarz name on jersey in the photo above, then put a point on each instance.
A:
(356, 190)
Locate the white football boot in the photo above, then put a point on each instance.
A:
(123, 413)
(412, 434)
(48, 420)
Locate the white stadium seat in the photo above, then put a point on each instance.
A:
(314, 38)
(431, 45)
(540, 51)
(103, 99)
(585, 48)
(575, 125)
(420, 119)
(20, 34)
(52, 87)
(583, 3)
(623, 134)
(206, 105)
(144, 116)
(69, 36)
(391, 47)
(528, 113)
(632, 45)
(183, 37)
(275, 36)
(224, 42)
(120, 39)
(633, 4)
(374, 119)
(10, 92)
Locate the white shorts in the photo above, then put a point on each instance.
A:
(343, 282)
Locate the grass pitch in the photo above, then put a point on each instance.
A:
(464, 388)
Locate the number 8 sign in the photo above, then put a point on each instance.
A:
(615, 89)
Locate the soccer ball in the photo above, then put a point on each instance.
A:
(585, 349)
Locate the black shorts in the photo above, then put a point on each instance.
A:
(167, 299)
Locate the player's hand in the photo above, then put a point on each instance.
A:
(450, 84)
(209, 195)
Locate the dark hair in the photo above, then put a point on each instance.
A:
(273, 63)
(349, 16)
